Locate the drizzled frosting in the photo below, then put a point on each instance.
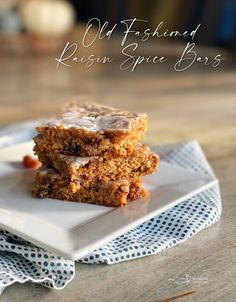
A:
(95, 117)
(44, 171)
(74, 160)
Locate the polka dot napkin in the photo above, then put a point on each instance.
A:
(21, 261)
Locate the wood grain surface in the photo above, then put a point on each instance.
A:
(199, 104)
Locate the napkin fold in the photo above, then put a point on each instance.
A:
(21, 261)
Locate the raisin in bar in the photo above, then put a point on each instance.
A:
(85, 170)
(91, 129)
(49, 183)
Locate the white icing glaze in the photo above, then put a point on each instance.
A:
(74, 160)
(48, 171)
(96, 118)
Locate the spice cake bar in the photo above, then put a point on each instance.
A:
(49, 183)
(92, 153)
(84, 170)
(90, 129)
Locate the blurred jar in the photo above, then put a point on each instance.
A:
(47, 18)
(9, 19)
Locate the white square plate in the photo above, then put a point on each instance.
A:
(74, 229)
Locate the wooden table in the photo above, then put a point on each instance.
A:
(200, 104)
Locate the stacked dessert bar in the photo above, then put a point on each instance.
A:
(92, 153)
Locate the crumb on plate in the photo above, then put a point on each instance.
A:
(30, 163)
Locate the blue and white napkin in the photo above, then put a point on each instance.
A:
(21, 261)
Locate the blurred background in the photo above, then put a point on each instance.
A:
(28, 24)
(199, 102)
